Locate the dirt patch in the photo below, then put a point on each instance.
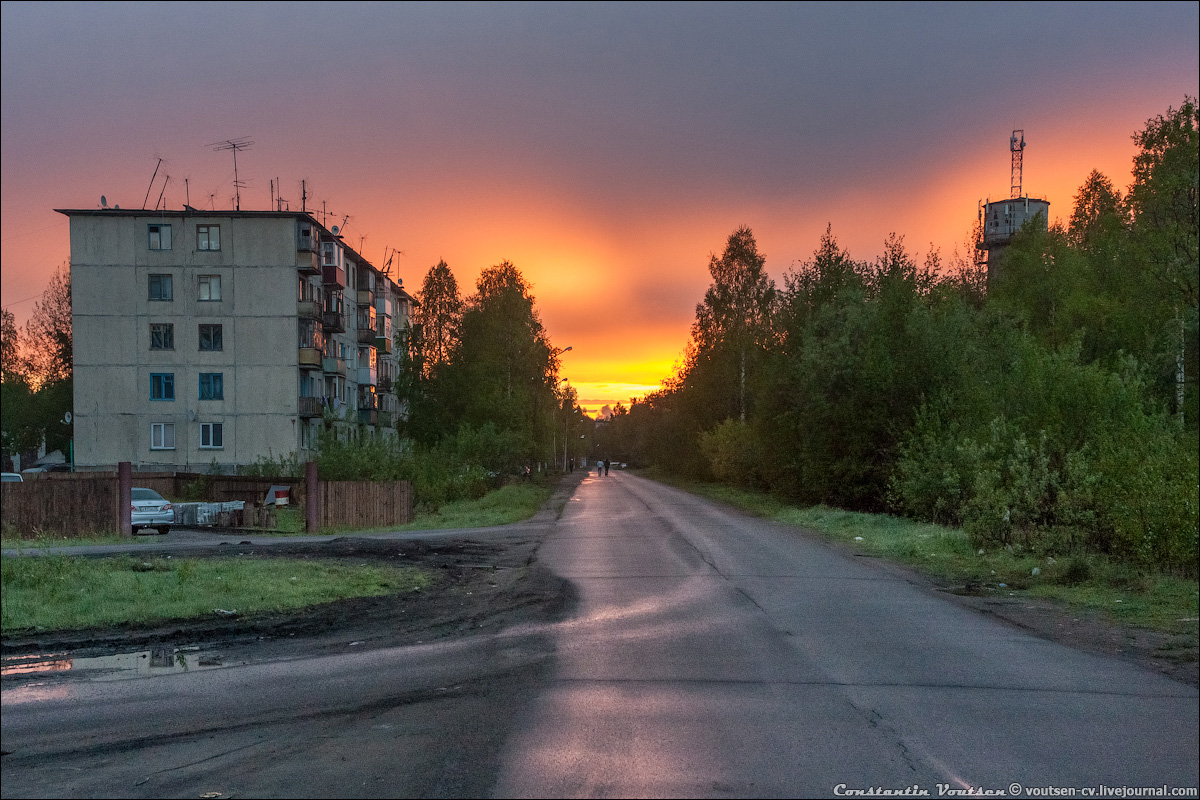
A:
(480, 587)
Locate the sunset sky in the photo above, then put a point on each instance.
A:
(606, 150)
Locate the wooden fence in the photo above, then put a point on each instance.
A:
(81, 504)
(364, 504)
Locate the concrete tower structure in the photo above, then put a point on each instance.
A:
(1001, 219)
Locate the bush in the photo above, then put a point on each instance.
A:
(733, 453)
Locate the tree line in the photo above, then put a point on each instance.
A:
(1053, 407)
(35, 372)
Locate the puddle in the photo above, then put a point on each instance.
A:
(120, 666)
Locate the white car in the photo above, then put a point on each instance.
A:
(149, 509)
(13, 477)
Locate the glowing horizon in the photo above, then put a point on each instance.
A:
(605, 168)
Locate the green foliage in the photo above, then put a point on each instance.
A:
(733, 452)
(272, 466)
(1053, 409)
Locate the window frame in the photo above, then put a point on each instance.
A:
(158, 229)
(215, 383)
(167, 337)
(210, 428)
(166, 385)
(209, 282)
(161, 428)
(164, 280)
(207, 243)
(216, 328)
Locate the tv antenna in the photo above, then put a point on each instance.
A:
(151, 186)
(240, 143)
(1017, 148)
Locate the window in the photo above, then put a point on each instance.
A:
(208, 237)
(210, 287)
(162, 385)
(162, 336)
(160, 237)
(160, 287)
(328, 254)
(212, 386)
(210, 337)
(162, 436)
(211, 436)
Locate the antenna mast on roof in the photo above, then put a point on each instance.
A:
(151, 186)
(1017, 148)
(240, 143)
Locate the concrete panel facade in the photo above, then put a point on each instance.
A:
(203, 331)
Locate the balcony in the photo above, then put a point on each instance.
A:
(333, 321)
(367, 376)
(383, 344)
(334, 366)
(308, 263)
(310, 407)
(308, 309)
(387, 376)
(368, 416)
(366, 297)
(310, 358)
(335, 275)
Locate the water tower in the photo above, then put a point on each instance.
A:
(1000, 219)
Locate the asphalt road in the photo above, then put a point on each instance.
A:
(712, 654)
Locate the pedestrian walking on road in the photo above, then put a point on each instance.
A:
(606, 466)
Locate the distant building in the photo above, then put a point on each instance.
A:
(226, 336)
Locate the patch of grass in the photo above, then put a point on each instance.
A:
(47, 540)
(1159, 601)
(62, 592)
(515, 502)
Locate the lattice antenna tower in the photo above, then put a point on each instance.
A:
(1016, 144)
(240, 143)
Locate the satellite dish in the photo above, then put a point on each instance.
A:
(67, 418)
(103, 201)
(335, 230)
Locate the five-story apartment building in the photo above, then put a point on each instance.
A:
(224, 336)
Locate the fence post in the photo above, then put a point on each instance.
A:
(311, 498)
(124, 498)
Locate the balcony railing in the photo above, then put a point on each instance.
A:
(333, 321)
(335, 275)
(334, 366)
(308, 309)
(366, 297)
(368, 416)
(308, 263)
(310, 358)
(367, 376)
(310, 406)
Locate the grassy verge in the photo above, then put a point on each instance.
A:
(1123, 593)
(62, 592)
(513, 503)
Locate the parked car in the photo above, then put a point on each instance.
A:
(13, 477)
(151, 510)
